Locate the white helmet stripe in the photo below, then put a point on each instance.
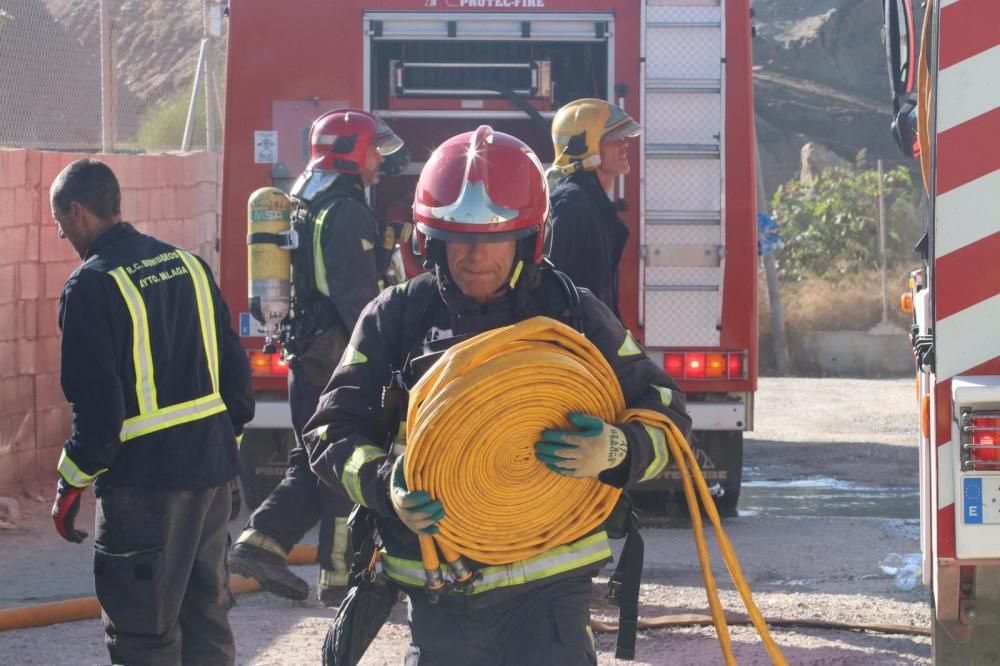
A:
(473, 206)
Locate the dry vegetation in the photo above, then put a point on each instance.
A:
(820, 304)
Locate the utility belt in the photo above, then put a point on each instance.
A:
(584, 555)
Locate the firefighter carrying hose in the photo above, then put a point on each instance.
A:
(335, 272)
(160, 389)
(590, 140)
(481, 209)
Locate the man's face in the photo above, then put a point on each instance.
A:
(71, 226)
(614, 154)
(481, 269)
(369, 172)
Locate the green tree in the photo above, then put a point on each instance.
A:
(830, 226)
(162, 127)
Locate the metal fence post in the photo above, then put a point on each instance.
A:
(108, 109)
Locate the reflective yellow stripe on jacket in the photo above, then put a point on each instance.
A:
(319, 266)
(153, 417)
(588, 551)
(73, 475)
(660, 455)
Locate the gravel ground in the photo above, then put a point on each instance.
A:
(801, 560)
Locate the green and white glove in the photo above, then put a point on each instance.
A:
(586, 452)
(416, 509)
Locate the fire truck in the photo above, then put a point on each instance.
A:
(947, 113)
(435, 68)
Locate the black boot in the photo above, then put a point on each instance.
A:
(267, 568)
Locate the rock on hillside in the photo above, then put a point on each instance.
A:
(820, 76)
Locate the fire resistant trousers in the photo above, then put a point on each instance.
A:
(548, 625)
(301, 499)
(161, 576)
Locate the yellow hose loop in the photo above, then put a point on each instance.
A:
(472, 425)
(692, 478)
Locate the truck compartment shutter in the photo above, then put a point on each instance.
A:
(683, 234)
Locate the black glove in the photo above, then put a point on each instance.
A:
(64, 511)
(234, 488)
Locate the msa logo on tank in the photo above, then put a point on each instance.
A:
(167, 266)
(436, 334)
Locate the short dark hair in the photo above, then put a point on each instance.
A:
(90, 183)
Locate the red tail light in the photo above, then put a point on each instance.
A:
(705, 365)
(984, 442)
(694, 368)
(673, 363)
(267, 365)
(737, 365)
(278, 365)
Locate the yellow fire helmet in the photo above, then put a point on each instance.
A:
(578, 128)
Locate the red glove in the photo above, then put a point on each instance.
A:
(64, 511)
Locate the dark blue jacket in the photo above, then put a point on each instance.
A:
(588, 236)
(99, 360)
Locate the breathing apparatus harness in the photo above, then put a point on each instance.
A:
(311, 313)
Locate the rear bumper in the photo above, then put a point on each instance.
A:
(271, 414)
(722, 415)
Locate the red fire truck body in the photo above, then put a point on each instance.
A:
(956, 305)
(435, 68)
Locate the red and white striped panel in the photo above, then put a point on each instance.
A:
(967, 221)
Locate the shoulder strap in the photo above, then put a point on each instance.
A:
(559, 288)
(623, 585)
(420, 293)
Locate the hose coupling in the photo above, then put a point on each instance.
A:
(435, 585)
(465, 577)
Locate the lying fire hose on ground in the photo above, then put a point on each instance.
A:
(472, 423)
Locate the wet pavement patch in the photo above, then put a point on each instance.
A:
(824, 496)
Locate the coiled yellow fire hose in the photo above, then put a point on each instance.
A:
(472, 424)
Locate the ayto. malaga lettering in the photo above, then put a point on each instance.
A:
(162, 276)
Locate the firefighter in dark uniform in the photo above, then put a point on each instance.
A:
(335, 273)
(590, 139)
(160, 389)
(481, 209)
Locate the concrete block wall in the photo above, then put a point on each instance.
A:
(173, 197)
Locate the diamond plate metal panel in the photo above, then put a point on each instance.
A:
(682, 276)
(683, 53)
(682, 117)
(683, 184)
(683, 234)
(682, 318)
(683, 14)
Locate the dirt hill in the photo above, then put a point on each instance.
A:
(156, 41)
(820, 72)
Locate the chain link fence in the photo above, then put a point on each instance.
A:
(51, 65)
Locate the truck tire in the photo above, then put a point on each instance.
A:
(263, 461)
(720, 456)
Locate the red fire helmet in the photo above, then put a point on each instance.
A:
(339, 140)
(483, 184)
